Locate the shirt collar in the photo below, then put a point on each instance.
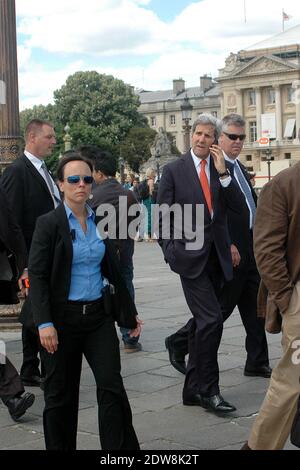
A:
(230, 160)
(91, 214)
(197, 160)
(37, 162)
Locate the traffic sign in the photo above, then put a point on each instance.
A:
(264, 141)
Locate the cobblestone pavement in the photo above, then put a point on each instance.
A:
(154, 387)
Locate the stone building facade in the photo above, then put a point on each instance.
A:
(261, 82)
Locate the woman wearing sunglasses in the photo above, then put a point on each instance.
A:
(70, 268)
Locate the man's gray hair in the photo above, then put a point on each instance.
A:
(207, 119)
(232, 119)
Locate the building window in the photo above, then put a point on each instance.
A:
(174, 140)
(270, 96)
(153, 121)
(249, 168)
(172, 119)
(253, 131)
(249, 158)
(290, 94)
(287, 156)
(252, 98)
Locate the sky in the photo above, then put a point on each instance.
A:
(145, 43)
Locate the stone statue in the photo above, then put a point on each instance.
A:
(161, 145)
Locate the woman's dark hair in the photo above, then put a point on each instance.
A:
(70, 157)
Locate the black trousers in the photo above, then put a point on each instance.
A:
(31, 347)
(205, 330)
(10, 382)
(94, 336)
(241, 292)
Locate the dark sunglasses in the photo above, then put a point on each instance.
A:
(235, 136)
(74, 179)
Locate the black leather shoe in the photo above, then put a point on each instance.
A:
(18, 406)
(32, 380)
(215, 403)
(262, 371)
(218, 404)
(176, 359)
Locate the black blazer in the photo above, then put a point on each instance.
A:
(11, 237)
(238, 223)
(180, 184)
(50, 263)
(11, 243)
(109, 192)
(28, 195)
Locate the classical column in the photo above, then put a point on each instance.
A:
(296, 86)
(239, 96)
(258, 111)
(222, 104)
(278, 112)
(9, 96)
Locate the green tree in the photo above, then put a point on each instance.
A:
(101, 107)
(100, 110)
(135, 149)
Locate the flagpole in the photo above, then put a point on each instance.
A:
(282, 20)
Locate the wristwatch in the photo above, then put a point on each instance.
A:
(225, 173)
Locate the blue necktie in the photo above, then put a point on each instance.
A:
(50, 184)
(245, 188)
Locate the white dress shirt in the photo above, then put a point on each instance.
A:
(37, 163)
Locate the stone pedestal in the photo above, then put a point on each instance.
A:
(10, 142)
(9, 317)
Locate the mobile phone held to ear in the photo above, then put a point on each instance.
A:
(25, 283)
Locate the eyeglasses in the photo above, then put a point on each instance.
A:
(74, 179)
(241, 137)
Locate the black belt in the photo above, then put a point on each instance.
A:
(85, 307)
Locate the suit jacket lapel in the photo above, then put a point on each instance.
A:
(64, 229)
(36, 174)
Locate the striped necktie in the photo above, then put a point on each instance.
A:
(50, 184)
(245, 188)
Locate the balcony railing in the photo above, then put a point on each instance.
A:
(273, 144)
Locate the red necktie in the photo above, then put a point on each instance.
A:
(205, 185)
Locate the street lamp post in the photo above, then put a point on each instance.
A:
(269, 158)
(67, 138)
(121, 168)
(186, 112)
(157, 157)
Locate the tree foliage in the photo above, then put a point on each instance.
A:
(135, 149)
(98, 102)
(100, 110)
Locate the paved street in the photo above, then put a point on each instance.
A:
(153, 386)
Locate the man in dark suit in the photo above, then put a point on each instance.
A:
(11, 242)
(108, 191)
(243, 289)
(199, 178)
(31, 192)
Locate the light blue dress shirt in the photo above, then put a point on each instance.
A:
(88, 251)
